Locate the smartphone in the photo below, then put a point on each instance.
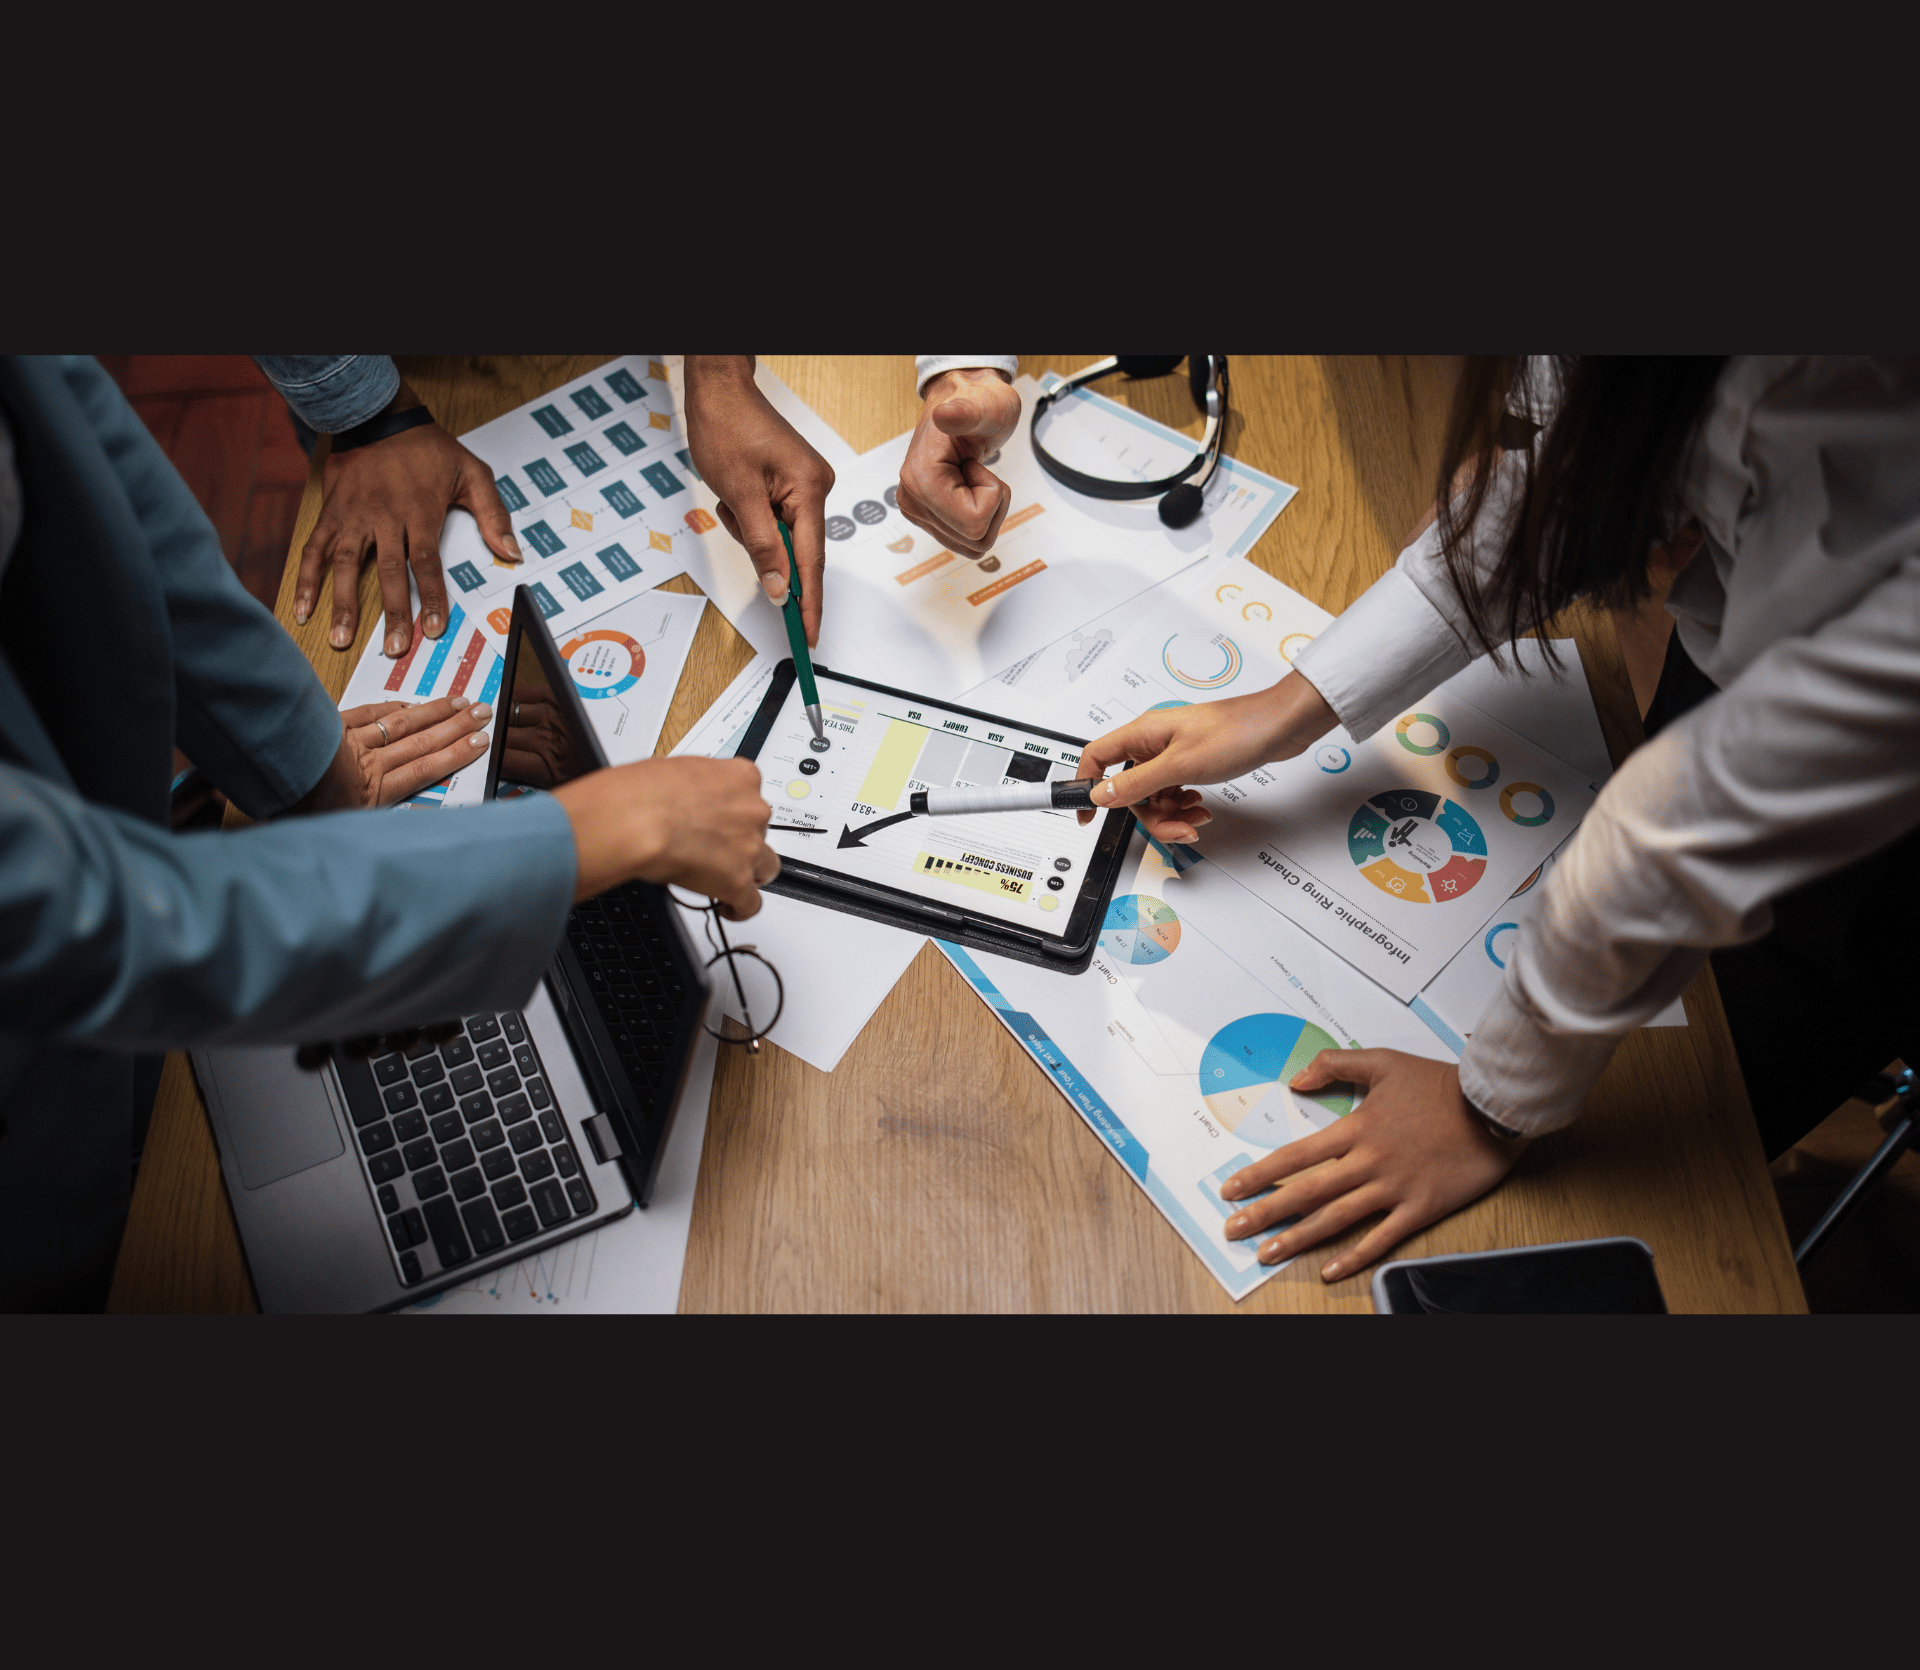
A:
(1609, 1277)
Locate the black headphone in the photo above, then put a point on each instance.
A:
(1206, 376)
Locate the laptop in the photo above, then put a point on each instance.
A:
(375, 1182)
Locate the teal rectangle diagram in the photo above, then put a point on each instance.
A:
(582, 584)
(663, 480)
(591, 401)
(465, 576)
(622, 436)
(585, 459)
(619, 564)
(544, 476)
(622, 498)
(543, 601)
(623, 384)
(692, 469)
(510, 494)
(543, 539)
(553, 420)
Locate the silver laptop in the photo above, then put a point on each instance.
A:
(417, 1162)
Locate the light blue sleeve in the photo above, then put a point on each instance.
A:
(249, 711)
(332, 392)
(119, 934)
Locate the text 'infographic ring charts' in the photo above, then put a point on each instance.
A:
(1201, 661)
(1417, 847)
(1513, 803)
(1252, 1056)
(604, 663)
(1422, 733)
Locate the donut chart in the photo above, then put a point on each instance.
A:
(1413, 730)
(604, 663)
(1546, 804)
(1140, 929)
(1247, 1058)
(1201, 662)
(1417, 846)
(1469, 751)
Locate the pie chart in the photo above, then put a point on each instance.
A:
(1139, 929)
(1252, 1056)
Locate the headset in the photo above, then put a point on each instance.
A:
(1206, 376)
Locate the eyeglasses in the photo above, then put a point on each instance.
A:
(750, 980)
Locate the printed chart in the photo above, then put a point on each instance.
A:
(1177, 1044)
(598, 482)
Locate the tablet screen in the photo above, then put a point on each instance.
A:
(1022, 868)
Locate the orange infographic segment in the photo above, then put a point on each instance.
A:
(921, 570)
(1393, 878)
(1006, 582)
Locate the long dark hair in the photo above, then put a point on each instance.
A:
(1601, 484)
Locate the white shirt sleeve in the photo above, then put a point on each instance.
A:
(1808, 760)
(926, 367)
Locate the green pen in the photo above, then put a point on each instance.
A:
(797, 641)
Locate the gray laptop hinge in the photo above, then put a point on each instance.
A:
(599, 1129)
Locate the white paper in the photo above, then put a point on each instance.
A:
(835, 968)
(1175, 1046)
(636, 1263)
(903, 610)
(626, 664)
(599, 485)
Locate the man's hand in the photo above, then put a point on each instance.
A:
(1413, 1150)
(966, 415)
(699, 824)
(388, 499)
(761, 471)
(390, 750)
(1206, 742)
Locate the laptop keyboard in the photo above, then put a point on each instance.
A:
(466, 1150)
(636, 980)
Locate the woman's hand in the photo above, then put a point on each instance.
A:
(1413, 1150)
(762, 472)
(946, 489)
(695, 823)
(1207, 742)
(390, 750)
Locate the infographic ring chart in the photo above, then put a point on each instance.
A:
(1140, 930)
(1416, 846)
(604, 663)
(1248, 1059)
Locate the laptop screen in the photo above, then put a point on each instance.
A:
(541, 735)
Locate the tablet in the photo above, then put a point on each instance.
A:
(1033, 885)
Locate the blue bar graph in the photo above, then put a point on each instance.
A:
(441, 646)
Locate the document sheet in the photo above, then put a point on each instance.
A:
(1177, 1044)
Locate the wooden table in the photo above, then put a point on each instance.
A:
(936, 1168)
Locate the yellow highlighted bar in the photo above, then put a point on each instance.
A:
(887, 776)
(920, 571)
(971, 875)
(1006, 582)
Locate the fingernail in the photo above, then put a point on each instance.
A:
(1102, 792)
(396, 645)
(513, 545)
(1235, 1223)
(483, 713)
(1294, 1082)
(776, 587)
(431, 626)
(478, 739)
(464, 701)
(302, 607)
(341, 636)
(1330, 1271)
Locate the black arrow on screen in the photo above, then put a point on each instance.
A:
(850, 837)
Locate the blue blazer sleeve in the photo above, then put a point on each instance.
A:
(249, 710)
(119, 934)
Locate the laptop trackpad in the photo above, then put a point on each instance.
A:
(279, 1117)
